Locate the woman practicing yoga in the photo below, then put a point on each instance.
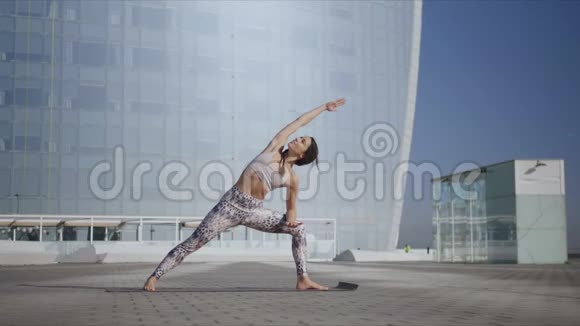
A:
(242, 204)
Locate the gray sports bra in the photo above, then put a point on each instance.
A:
(268, 171)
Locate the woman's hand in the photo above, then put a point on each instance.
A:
(291, 222)
(333, 105)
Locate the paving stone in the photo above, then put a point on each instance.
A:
(389, 294)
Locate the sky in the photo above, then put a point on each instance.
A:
(498, 80)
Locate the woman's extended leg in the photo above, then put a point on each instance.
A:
(217, 220)
(273, 221)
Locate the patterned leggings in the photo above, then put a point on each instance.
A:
(237, 208)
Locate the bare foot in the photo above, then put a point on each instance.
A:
(150, 284)
(305, 283)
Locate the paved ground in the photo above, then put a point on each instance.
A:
(389, 294)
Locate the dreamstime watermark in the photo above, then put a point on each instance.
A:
(460, 181)
(379, 141)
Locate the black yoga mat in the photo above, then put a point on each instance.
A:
(342, 286)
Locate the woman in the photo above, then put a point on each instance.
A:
(242, 204)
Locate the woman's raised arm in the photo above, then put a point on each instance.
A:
(281, 137)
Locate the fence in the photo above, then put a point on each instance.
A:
(91, 229)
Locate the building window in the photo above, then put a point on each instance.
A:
(67, 103)
(115, 18)
(68, 52)
(7, 42)
(92, 137)
(343, 81)
(70, 14)
(38, 8)
(304, 38)
(30, 143)
(31, 233)
(22, 47)
(49, 146)
(94, 12)
(92, 54)
(91, 98)
(29, 57)
(76, 233)
(156, 18)
(202, 23)
(27, 97)
(5, 233)
(5, 137)
(149, 58)
(7, 7)
(5, 144)
(158, 232)
(147, 107)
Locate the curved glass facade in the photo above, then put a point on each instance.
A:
(203, 85)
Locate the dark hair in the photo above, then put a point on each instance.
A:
(310, 155)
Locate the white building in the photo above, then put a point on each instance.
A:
(206, 84)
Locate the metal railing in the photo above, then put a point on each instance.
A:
(326, 234)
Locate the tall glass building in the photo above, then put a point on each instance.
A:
(204, 85)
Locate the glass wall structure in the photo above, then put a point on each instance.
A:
(507, 214)
(475, 220)
(206, 84)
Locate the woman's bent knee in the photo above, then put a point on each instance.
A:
(300, 231)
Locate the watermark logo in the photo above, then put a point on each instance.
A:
(380, 140)
(118, 176)
(380, 143)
